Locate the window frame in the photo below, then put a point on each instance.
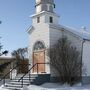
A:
(38, 46)
(38, 19)
(51, 19)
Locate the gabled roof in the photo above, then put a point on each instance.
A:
(81, 33)
(84, 34)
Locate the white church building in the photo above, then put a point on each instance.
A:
(45, 31)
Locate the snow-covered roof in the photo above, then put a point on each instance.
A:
(84, 34)
(6, 58)
(43, 12)
(79, 32)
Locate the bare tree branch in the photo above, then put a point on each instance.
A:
(65, 58)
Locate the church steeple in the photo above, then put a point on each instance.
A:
(44, 5)
(44, 13)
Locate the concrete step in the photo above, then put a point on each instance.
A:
(14, 85)
(17, 78)
(27, 75)
(18, 83)
(24, 79)
(12, 88)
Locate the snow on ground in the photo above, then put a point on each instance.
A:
(56, 86)
(1, 88)
(1, 84)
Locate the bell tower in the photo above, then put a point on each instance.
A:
(44, 5)
(44, 12)
(45, 24)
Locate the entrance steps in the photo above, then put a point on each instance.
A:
(36, 79)
(15, 84)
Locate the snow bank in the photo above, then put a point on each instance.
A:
(53, 86)
(1, 88)
(56, 86)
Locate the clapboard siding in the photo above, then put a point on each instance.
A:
(55, 18)
(54, 35)
(86, 56)
(42, 19)
(74, 39)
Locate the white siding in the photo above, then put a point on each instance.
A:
(37, 1)
(74, 39)
(55, 18)
(38, 8)
(86, 56)
(54, 35)
(57, 34)
(42, 19)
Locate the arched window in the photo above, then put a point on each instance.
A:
(44, 7)
(51, 8)
(38, 46)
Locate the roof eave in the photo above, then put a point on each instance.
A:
(86, 39)
(29, 29)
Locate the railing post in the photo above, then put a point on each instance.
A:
(37, 68)
(11, 75)
(4, 81)
(22, 82)
(29, 76)
(11, 71)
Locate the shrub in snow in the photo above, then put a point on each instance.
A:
(65, 58)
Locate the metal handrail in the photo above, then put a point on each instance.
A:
(3, 78)
(6, 74)
(30, 73)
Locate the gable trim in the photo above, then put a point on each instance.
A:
(30, 29)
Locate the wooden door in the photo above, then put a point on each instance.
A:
(39, 57)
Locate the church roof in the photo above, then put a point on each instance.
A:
(84, 34)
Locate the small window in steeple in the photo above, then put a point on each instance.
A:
(51, 8)
(38, 19)
(51, 19)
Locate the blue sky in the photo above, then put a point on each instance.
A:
(14, 15)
